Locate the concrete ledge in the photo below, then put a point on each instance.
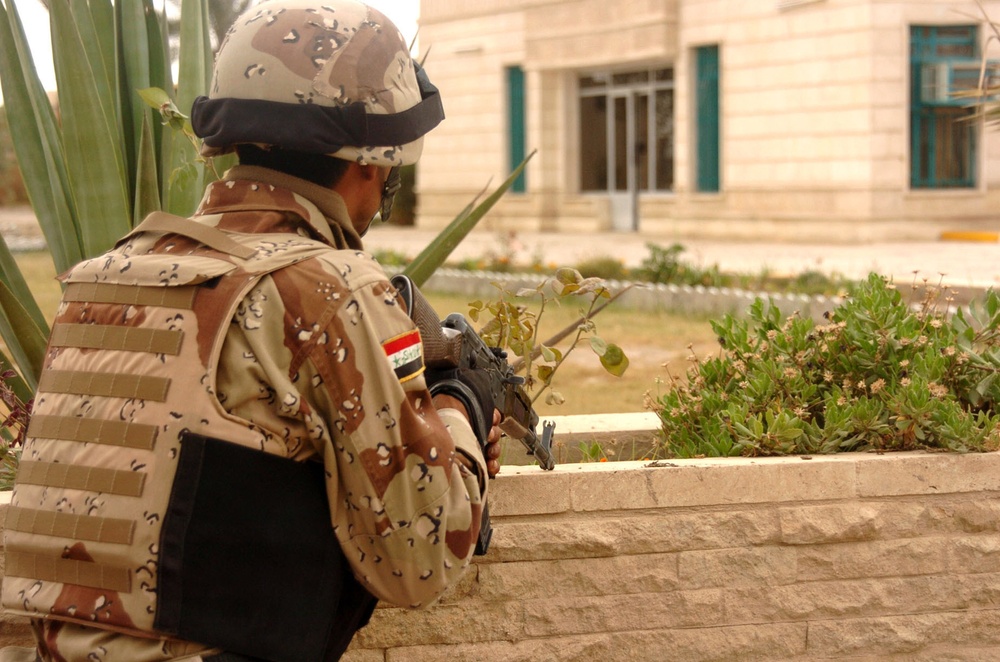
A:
(627, 435)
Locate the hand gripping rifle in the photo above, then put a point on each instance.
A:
(454, 344)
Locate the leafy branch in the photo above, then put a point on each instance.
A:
(512, 325)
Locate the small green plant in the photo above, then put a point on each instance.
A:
(12, 429)
(663, 265)
(880, 375)
(592, 452)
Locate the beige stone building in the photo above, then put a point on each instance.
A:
(797, 119)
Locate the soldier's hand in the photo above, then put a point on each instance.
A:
(492, 449)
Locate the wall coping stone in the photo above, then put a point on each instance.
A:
(685, 483)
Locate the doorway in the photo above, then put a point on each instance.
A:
(626, 139)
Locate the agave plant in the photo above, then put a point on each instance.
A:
(118, 147)
(103, 160)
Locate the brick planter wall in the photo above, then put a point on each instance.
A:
(847, 557)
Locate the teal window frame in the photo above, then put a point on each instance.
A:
(943, 141)
(707, 141)
(517, 126)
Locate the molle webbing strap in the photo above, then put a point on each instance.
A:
(79, 477)
(68, 525)
(110, 433)
(124, 338)
(105, 384)
(68, 571)
(167, 297)
(166, 223)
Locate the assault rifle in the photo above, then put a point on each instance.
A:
(452, 344)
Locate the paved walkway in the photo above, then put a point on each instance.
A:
(963, 263)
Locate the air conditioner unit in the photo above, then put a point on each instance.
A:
(942, 82)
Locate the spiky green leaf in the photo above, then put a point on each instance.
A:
(35, 135)
(25, 339)
(10, 275)
(187, 174)
(147, 190)
(99, 47)
(92, 149)
(432, 257)
(136, 52)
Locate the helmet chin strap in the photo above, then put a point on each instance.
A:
(389, 191)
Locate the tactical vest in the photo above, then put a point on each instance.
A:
(136, 493)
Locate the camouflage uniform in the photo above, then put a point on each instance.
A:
(292, 342)
(318, 364)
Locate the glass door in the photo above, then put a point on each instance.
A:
(628, 151)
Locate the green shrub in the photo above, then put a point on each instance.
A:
(879, 375)
(607, 268)
(663, 265)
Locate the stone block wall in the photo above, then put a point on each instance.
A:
(848, 557)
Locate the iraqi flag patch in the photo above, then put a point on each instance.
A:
(405, 354)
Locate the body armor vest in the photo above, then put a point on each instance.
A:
(129, 374)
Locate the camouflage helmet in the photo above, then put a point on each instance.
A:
(330, 78)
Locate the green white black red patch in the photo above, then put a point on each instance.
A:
(405, 354)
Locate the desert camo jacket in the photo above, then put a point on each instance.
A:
(322, 357)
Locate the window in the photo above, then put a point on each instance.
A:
(516, 124)
(942, 139)
(627, 130)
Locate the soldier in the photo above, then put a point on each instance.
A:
(234, 452)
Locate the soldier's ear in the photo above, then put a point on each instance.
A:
(368, 172)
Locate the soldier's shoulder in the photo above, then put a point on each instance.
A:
(356, 268)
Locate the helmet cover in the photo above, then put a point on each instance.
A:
(332, 79)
